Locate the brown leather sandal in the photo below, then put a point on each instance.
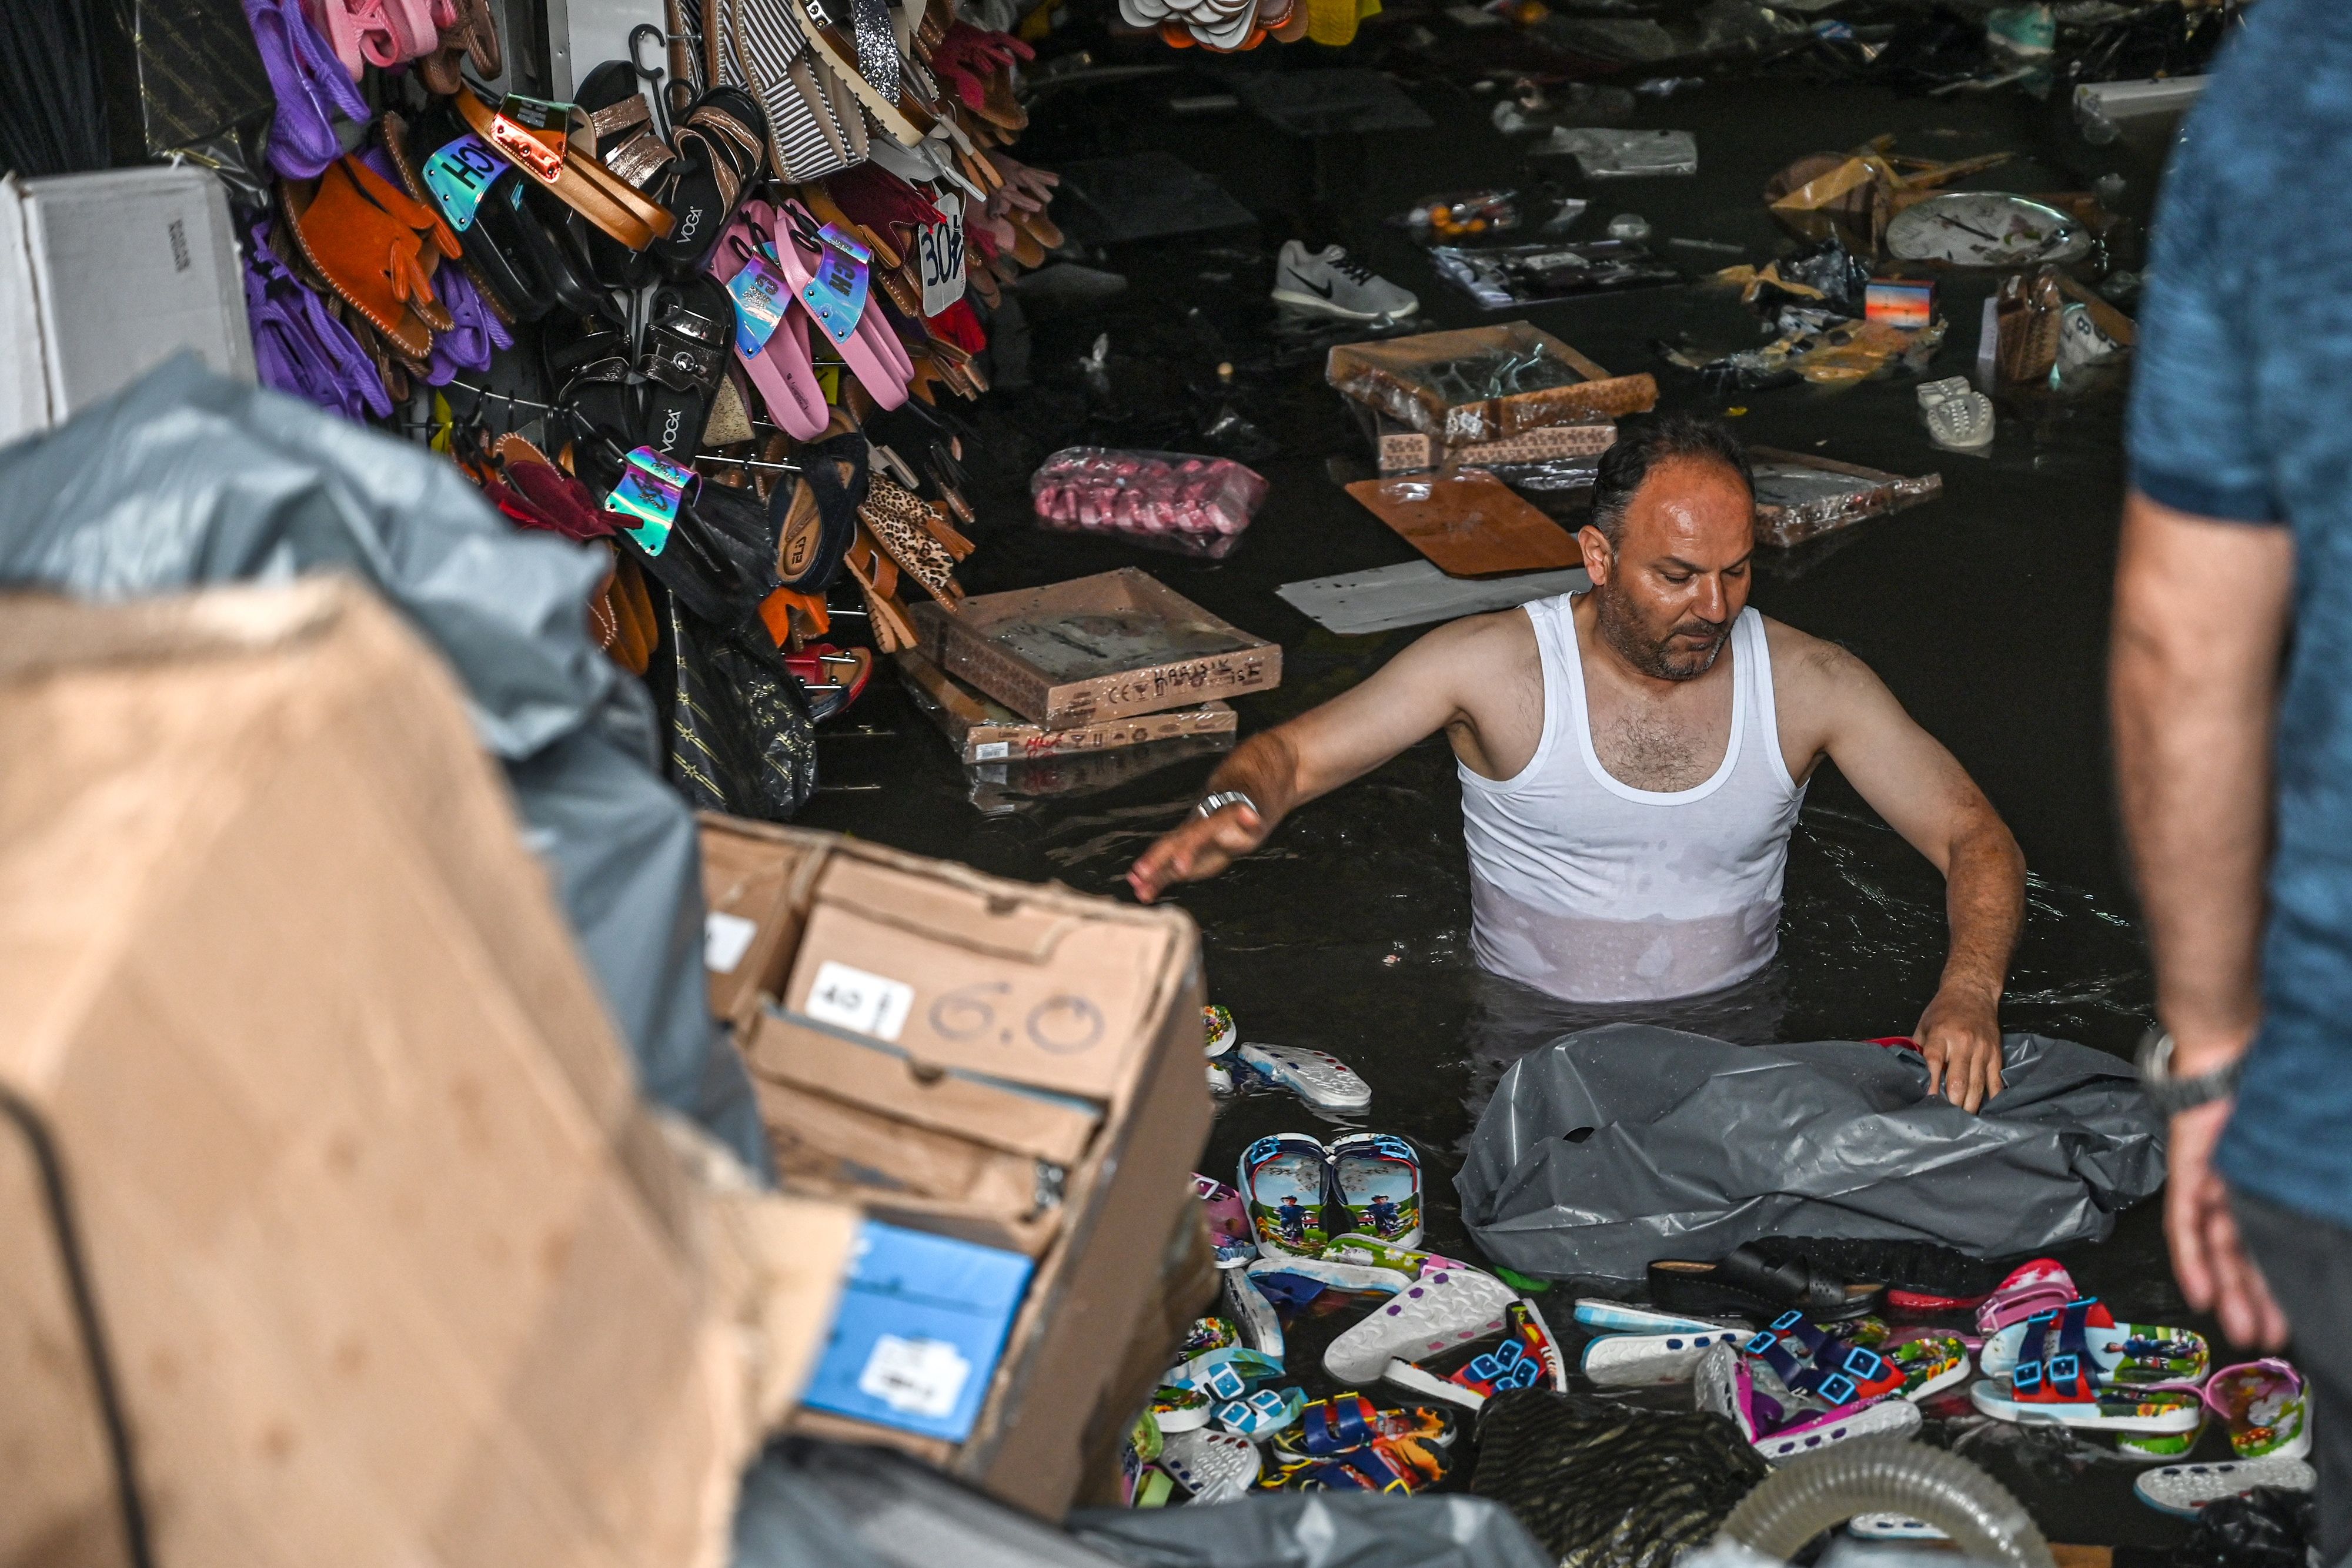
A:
(582, 183)
(367, 240)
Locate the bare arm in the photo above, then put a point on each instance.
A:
(1923, 793)
(1428, 687)
(2201, 619)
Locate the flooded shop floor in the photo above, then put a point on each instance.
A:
(1986, 612)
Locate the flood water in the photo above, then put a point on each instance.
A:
(1986, 612)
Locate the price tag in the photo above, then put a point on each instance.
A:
(650, 489)
(460, 175)
(759, 291)
(859, 1002)
(940, 249)
(915, 1377)
(836, 295)
(725, 939)
(532, 132)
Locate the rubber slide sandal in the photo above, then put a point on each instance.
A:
(1379, 1177)
(1324, 1082)
(1651, 1361)
(1254, 1314)
(1443, 1308)
(2184, 1489)
(1616, 1317)
(1284, 1182)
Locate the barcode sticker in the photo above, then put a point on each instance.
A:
(915, 1377)
(865, 1004)
(992, 751)
(725, 939)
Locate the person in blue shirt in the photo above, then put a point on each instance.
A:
(1292, 1216)
(2232, 696)
(1386, 1218)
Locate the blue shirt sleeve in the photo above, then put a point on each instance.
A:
(2195, 430)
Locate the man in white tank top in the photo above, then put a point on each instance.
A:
(1633, 760)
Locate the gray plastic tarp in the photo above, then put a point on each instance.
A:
(185, 478)
(821, 1505)
(1611, 1147)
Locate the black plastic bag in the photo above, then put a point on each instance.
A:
(741, 738)
(2267, 1528)
(1609, 1486)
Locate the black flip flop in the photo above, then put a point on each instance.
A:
(1748, 1284)
(723, 147)
(686, 345)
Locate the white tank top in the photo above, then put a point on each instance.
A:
(1583, 886)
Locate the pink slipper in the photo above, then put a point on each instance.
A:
(781, 371)
(871, 349)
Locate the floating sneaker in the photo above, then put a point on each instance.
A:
(2183, 1489)
(1331, 284)
(1324, 1082)
(1214, 1466)
(1380, 1186)
(1445, 1308)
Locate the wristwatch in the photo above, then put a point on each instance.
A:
(1217, 802)
(2172, 1095)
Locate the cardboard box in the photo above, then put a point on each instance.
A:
(1102, 647)
(984, 730)
(997, 1020)
(1801, 496)
(1414, 381)
(1410, 451)
(754, 885)
(104, 277)
(390, 1264)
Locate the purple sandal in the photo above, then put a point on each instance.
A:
(298, 347)
(310, 85)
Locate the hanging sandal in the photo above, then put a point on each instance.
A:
(821, 517)
(361, 33)
(778, 364)
(883, 100)
(831, 678)
(311, 87)
(684, 360)
(367, 241)
(579, 181)
(722, 150)
(901, 523)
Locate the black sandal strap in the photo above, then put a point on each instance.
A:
(685, 351)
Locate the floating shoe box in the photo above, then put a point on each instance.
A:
(1484, 383)
(1008, 1065)
(984, 730)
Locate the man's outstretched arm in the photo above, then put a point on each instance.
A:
(1923, 793)
(2201, 619)
(1411, 696)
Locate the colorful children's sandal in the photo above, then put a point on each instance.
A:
(1175, 1409)
(2040, 1286)
(1222, 1033)
(2129, 1354)
(1351, 1420)
(1445, 1308)
(1283, 1180)
(1324, 1082)
(1929, 1364)
(1254, 1313)
(1726, 1384)
(1262, 1414)
(2267, 1407)
(1214, 1466)
(2062, 1391)
(2185, 1490)
(1230, 1233)
(1379, 1177)
(1618, 1317)
(1652, 1360)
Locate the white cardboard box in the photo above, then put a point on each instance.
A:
(105, 276)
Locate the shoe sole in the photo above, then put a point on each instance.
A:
(1323, 307)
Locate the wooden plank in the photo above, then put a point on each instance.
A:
(1469, 523)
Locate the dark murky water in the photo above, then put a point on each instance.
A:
(1985, 611)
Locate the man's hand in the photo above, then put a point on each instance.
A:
(1959, 1034)
(2215, 1272)
(1200, 849)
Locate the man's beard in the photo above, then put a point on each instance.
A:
(1657, 657)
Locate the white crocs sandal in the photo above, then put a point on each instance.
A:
(1892, 1527)
(1617, 1317)
(1214, 1466)
(1445, 1308)
(1653, 1361)
(1327, 1084)
(2182, 1489)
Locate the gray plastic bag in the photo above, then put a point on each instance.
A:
(1612, 1147)
(185, 478)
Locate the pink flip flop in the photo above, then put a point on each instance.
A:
(781, 371)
